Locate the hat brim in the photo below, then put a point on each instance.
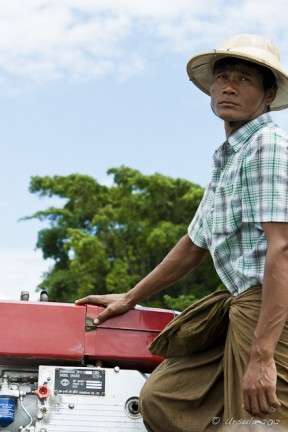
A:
(200, 72)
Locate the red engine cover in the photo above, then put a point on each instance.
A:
(126, 338)
(44, 332)
(33, 330)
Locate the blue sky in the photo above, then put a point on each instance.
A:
(86, 85)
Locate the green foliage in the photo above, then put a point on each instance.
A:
(179, 303)
(105, 239)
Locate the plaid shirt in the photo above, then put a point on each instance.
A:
(248, 185)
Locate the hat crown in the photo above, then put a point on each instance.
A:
(248, 42)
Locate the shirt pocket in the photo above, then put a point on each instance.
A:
(227, 212)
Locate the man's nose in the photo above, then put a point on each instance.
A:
(230, 86)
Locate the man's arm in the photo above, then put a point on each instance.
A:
(259, 382)
(182, 259)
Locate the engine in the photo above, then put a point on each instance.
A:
(58, 372)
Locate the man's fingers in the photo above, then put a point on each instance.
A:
(109, 312)
(261, 404)
(92, 299)
(273, 401)
(103, 316)
(99, 301)
(114, 305)
(255, 408)
(264, 405)
(246, 403)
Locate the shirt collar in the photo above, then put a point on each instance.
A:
(238, 138)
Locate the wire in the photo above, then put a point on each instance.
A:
(26, 412)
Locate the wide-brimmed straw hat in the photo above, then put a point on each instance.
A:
(250, 47)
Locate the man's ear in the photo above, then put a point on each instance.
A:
(271, 94)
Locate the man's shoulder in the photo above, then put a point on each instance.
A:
(274, 127)
(268, 143)
(271, 132)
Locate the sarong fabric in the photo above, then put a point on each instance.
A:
(206, 348)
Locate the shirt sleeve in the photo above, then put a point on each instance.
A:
(264, 176)
(196, 228)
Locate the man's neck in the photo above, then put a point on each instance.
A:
(231, 127)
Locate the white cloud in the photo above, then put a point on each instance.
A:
(43, 40)
(21, 270)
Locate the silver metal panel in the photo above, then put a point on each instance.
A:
(89, 412)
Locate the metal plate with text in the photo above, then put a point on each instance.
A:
(80, 381)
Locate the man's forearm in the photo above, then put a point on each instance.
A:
(182, 259)
(274, 307)
(259, 381)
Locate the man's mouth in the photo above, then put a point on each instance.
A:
(228, 103)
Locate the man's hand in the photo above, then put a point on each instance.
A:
(115, 304)
(259, 387)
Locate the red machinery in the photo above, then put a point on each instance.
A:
(59, 372)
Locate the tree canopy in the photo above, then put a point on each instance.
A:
(105, 239)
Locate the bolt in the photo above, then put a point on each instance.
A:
(116, 369)
(39, 415)
(71, 405)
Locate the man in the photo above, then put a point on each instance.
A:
(226, 356)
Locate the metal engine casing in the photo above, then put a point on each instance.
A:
(79, 399)
(63, 373)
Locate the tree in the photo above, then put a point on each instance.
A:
(106, 239)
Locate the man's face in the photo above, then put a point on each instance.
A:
(237, 92)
